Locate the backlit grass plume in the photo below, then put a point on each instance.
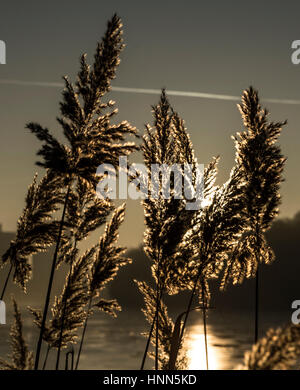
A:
(69, 309)
(165, 331)
(107, 260)
(228, 230)
(196, 241)
(261, 163)
(21, 358)
(279, 349)
(166, 219)
(166, 216)
(91, 138)
(84, 214)
(36, 228)
(231, 229)
(213, 234)
(109, 257)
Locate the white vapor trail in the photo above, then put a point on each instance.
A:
(203, 95)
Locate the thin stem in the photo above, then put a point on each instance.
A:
(257, 248)
(67, 362)
(148, 343)
(60, 337)
(61, 329)
(72, 361)
(6, 282)
(204, 326)
(149, 339)
(204, 317)
(256, 305)
(83, 332)
(47, 301)
(63, 316)
(189, 308)
(46, 358)
(187, 313)
(157, 317)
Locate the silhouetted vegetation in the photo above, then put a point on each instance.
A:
(221, 242)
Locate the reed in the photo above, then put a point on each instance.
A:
(85, 213)
(107, 260)
(166, 143)
(261, 163)
(91, 138)
(68, 310)
(166, 331)
(279, 349)
(21, 357)
(36, 228)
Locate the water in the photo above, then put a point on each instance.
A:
(118, 344)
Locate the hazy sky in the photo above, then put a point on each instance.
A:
(213, 47)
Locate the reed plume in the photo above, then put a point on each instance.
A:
(68, 310)
(220, 234)
(230, 230)
(36, 228)
(261, 164)
(166, 217)
(208, 234)
(84, 214)
(165, 331)
(214, 231)
(21, 358)
(279, 349)
(91, 138)
(186, 246)
(107, 260)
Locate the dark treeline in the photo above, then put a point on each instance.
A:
(283, 273)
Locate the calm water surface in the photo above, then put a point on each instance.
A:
(118, 344)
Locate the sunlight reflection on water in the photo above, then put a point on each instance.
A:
(196, 350)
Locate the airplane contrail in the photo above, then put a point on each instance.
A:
(148, 91)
